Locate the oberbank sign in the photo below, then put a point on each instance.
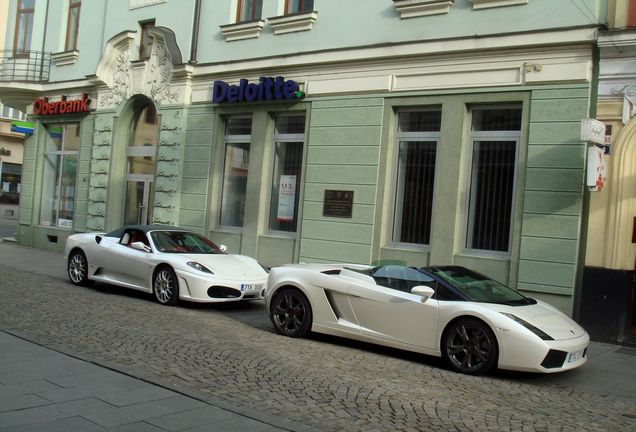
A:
(267, 89)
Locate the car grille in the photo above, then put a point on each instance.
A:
(223, 292)
(554, 359)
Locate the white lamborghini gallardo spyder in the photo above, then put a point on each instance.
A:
(472, 321)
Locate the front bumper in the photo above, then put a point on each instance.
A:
(204, 289)
(531, 354)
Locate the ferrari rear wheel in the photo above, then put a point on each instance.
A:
(78, 268)
(165, 286)
(470, 347)
(291, 313)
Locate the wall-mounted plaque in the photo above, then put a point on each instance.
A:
(338, 203)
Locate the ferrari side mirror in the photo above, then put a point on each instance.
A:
(223, 248)
(423, 291)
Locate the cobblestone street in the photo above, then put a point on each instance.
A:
(299, 384)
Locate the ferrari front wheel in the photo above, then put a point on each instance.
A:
(291, 313)
(470, 347)
(78, 268)
(165, 286)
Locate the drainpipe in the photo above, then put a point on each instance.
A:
(195, 32)
(46, 19)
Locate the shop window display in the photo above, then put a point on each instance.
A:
(288, 157)
(59, 174)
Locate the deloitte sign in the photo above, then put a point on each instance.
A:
(267, 89)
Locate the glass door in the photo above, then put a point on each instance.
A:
(138, 208)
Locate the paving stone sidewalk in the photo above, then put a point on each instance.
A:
(44, 390)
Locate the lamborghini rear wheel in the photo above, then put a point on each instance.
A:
(291, 313)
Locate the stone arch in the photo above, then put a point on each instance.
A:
(620, 252)
(123, 123)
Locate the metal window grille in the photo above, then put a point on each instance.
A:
(495, 141)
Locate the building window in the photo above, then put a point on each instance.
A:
(495, 139)
(72, 26)
(298, 6)
(289, 141)
(237, 138)
(10, 179)
(418, 135)
(249, 10)
(145, 44)
(60, 171)
(23, 26)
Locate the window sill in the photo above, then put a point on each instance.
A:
(293, 22)
(65, 58)
(484, 4)
(284, 235)
(136, 4)
(485, 254)
(242, 30)
(416, 8)
(415, 247)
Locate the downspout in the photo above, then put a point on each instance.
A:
(194, 45)
(46, 20)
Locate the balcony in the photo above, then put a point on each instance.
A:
(24, 66)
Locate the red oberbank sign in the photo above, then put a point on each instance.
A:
(63, 106)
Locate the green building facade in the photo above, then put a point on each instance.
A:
(456, 146)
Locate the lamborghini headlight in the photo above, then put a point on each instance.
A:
(543, 335)
(200, 267)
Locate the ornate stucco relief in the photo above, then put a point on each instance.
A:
(152, 78)
(168, 165)
(629, 101)
(99, 176)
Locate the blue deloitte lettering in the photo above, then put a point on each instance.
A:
(267, 89)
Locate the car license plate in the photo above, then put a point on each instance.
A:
(251, 287)
(572, 357)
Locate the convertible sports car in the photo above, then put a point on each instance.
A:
(473, 322)
(170, 262)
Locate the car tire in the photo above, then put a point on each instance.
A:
(469, 346)
(165, 286)
(77, 268)
(291, 313)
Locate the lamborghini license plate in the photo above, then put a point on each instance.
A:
(572, 357)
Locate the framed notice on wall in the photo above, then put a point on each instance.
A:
(338, 203)
(286, 198)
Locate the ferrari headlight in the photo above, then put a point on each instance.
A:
(543, 335)
(195, 265)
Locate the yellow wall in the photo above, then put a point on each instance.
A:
(613, 208)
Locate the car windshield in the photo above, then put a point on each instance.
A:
(478, 287)
(183, 242)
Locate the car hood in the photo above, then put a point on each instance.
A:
(545, 317)
(229, 266)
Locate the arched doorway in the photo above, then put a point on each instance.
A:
(141, 160)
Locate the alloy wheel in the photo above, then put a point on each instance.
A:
(78, 268)
(164, 286)
(291, 313)
(470, 347)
